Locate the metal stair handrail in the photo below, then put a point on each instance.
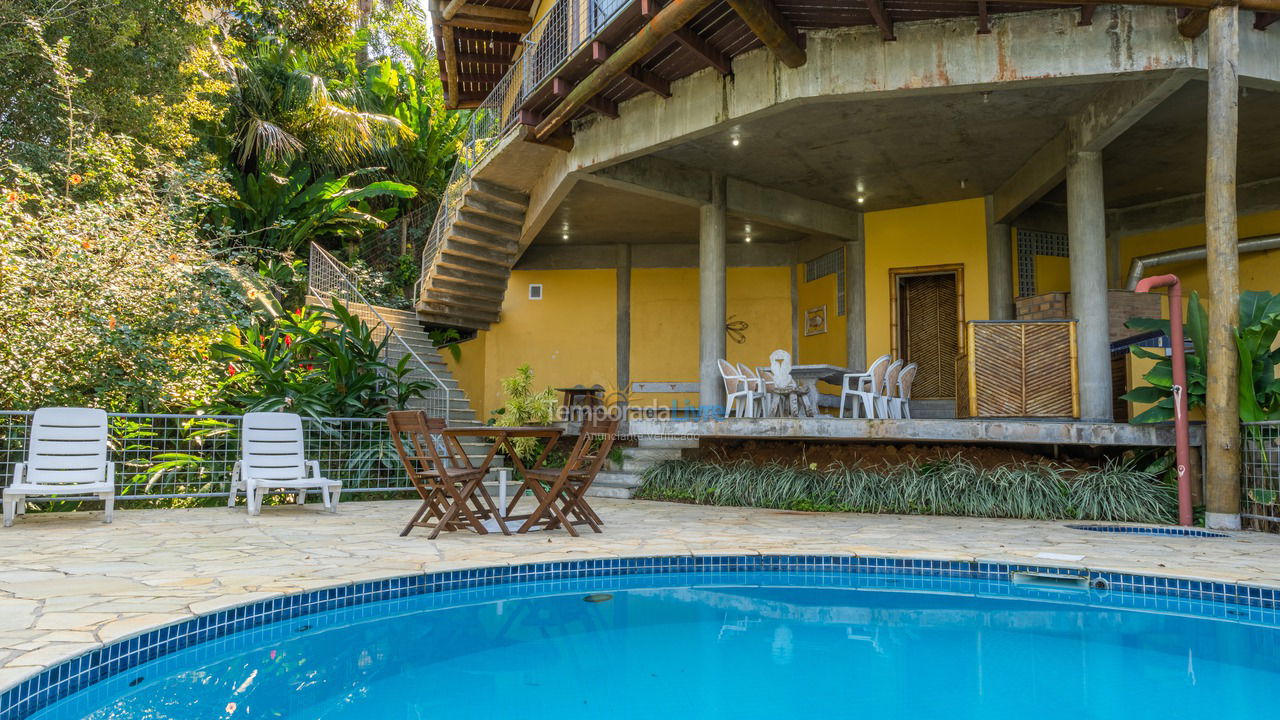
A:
(566, 27)
(329, 277)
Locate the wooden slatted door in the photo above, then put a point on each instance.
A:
(929, 322)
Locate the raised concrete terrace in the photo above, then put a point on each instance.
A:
(69, 583)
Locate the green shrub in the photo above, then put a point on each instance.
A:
(1115, 492)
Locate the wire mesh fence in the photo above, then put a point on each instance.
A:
(1260, 475)
(163, 458)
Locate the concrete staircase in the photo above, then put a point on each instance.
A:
(621, 482)
(465, 279)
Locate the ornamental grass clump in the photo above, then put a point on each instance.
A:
(952, 486)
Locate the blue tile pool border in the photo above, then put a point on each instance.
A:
(1155, 530)
(1231, 601)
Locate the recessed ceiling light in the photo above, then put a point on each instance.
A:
(564, 236)
(861, 199)
(748, 238)
(735, 141)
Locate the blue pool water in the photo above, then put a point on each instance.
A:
(740, 645)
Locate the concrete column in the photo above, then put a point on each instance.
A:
(999, 267)
(855, 298)
(1087, 235)
(711, 302)
(623, 344)
(1222, 265)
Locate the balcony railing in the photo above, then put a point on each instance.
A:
(557, 36)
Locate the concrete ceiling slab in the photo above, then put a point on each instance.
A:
(895, 152)
(1163, 155)
(594, 214)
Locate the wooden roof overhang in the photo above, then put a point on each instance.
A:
(685, 36)
(476, 41)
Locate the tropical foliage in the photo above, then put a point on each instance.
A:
(165, 165)
(525, 406)
(1255, 335)
(285, 213)
(317, 363)
(109, 302)
(1115, 492)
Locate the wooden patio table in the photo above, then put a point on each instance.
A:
(502, 437)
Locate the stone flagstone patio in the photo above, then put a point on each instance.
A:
(69, 583)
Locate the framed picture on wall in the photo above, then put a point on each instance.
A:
(815, 320)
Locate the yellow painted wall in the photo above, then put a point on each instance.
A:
(664, 323)
(828, 347)
(940, 234)
(469, 371)
(567, 337)
(664, 330)
(1053, 274)
(1258, 271)
(761, 297)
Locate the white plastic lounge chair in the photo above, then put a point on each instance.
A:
(740, 397)
(271, 458)
(899, 404)
(67, 456)
(861, 388)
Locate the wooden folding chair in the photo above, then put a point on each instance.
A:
(453, 493)
(561, 492)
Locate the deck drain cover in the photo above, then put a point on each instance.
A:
(1137, 530)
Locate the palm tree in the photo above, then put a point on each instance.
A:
(282, 110)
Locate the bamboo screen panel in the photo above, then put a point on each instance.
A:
(930, 322)
(1019, 369)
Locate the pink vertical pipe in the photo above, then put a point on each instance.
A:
(1182, 435)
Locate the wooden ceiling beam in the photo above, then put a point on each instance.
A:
(773, 29)
(883, 21)
(452, 9)
(478, 59)
(450, 65)
(474, 22)
(984, 20)
(561, 88)
(480, 78)
(667, 21)
(1086, 15)
(650, 81)
(493, 13)
(1262, 19)
(690, 41)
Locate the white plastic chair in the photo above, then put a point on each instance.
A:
(67, 456)
(271, 458)
(899, 404)
(757, 385)
(886, 390)
(862, 388)
(737, 391)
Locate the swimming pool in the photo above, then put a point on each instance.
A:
(723, 637)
